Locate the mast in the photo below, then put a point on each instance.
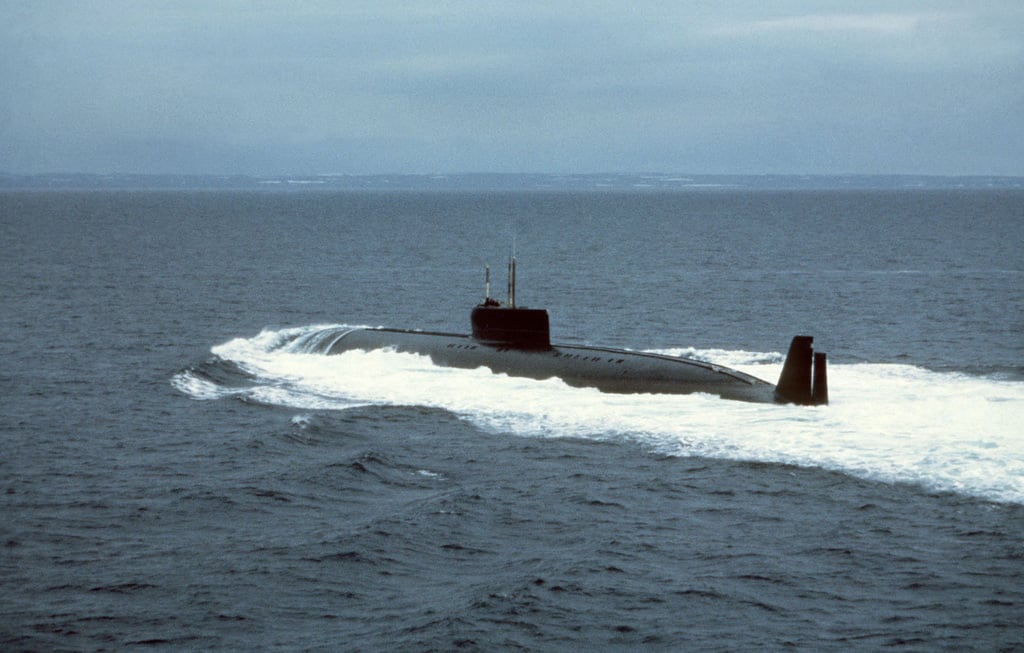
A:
(512, 282)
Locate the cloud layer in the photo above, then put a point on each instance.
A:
(724, 87)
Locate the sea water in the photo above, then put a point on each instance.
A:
(179, 474)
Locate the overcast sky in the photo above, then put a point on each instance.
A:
(382, 86)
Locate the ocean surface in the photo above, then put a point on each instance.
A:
(174, 476)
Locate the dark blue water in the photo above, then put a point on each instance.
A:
(169, 481)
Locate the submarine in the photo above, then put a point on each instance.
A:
(513, 340)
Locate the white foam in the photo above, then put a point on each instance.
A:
(886, 422)
(197, 388)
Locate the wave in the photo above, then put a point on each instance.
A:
(890, 422)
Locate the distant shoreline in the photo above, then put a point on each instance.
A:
(506, 182)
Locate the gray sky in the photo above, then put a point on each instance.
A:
(741, 86)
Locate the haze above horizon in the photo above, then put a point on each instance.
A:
(737, 87)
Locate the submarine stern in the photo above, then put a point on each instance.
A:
(804, 380)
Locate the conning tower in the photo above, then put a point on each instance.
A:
(507, 324)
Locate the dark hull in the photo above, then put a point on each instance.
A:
(608, 370)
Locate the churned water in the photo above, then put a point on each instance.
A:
(178, 473)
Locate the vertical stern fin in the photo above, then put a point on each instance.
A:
(804, 379)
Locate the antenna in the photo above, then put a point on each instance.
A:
(487, 285)
(511, 294)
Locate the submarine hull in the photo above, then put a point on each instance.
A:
(606, 369)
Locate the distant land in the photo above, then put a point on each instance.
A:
(505, 182)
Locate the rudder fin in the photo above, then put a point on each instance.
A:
(803, 380)
(819, 389)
